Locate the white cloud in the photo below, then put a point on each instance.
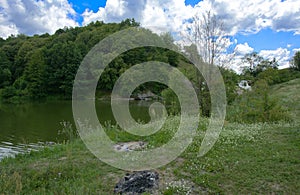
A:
(282, 55)
(168, 14)
(243, 49)
(34, 17)
(39, 16)
(236, 63)
(252, 16)
(238, 16)
(295, 50)
(116, 11)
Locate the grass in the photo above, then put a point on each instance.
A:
(258, 158)
(288, 94)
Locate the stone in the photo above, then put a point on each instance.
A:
(138, 183)
(130, 146)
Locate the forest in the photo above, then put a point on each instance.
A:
(44, 66)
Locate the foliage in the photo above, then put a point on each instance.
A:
(230, 79)
(257, 106)
(43, 65)
(257, 64)
(296, 61)
(274, 76)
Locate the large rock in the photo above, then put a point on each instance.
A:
(138, 183)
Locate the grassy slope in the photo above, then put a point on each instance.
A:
(258, 158)
(289, 94)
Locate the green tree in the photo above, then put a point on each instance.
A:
(256, 64)
(296, 61)
(5, 73)
(34, 75)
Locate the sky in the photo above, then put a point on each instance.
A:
(269, 27)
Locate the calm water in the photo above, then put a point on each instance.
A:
(31, 125)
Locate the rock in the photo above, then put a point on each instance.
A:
(130, 146)
(145, 96)
(138, 183)
(243, 84)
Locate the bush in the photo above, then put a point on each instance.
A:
(274, 76)
(257, 106)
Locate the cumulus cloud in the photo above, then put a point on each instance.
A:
(39, 16)
(243, 49)
(169, 14)
(252, 16)
(282, 55)
(116, 11)
(35, 16)
(239, 16)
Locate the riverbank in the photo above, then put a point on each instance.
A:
(253, 158)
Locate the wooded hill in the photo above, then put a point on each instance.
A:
(45, 65)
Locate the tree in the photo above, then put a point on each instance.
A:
(5, 73)
(296, 61)
(211, 43)
(34, 75)
(257, 64)
(252, 60)
(208, 33)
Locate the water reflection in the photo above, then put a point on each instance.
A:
(30, 125)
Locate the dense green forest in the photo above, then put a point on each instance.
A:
(45, 66)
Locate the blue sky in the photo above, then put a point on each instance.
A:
(269, 39)
(269, 27)
(81, 5)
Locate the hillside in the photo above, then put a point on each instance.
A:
(43, 66)
(288, 94)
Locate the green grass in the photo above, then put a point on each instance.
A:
(247, 159)
(288, 94)
(257, 158)
(62, 169)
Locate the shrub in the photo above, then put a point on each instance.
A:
(257, 106)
